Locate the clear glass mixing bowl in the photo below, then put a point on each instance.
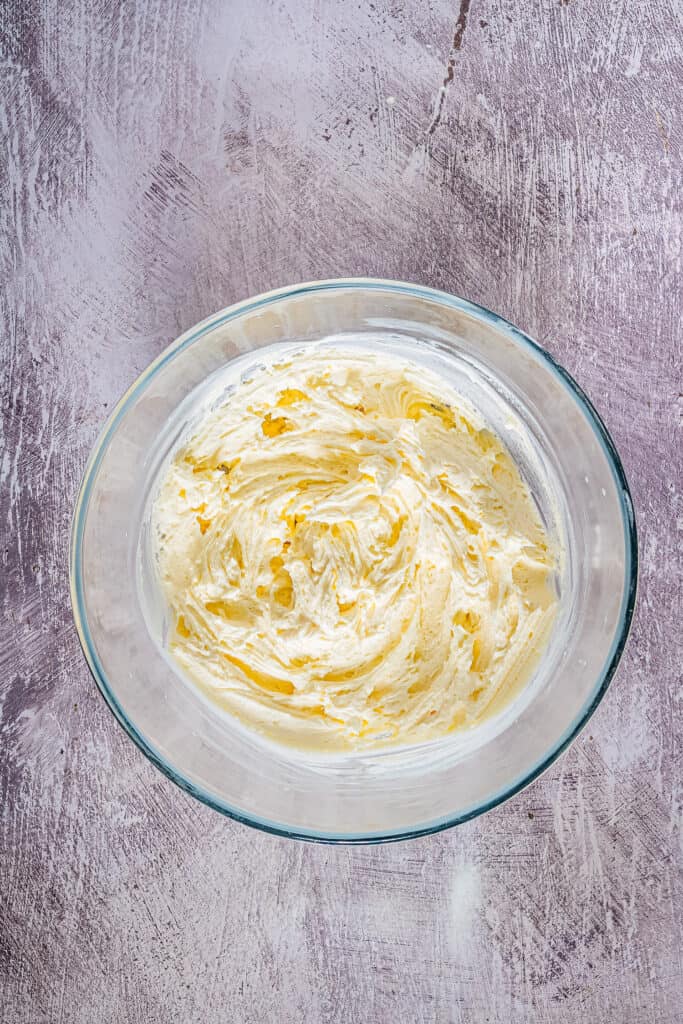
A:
(563, 451)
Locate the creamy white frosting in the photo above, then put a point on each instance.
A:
(350, 556)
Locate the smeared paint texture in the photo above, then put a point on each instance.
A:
(162, 159)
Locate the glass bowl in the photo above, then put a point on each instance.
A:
(562, 449)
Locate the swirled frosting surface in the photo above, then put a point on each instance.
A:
(350, 556)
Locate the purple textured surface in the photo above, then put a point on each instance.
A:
(162, 159)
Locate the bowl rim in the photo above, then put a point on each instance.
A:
(231, 312)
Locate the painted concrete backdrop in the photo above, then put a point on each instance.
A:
(163, 158)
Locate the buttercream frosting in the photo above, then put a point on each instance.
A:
(350, 556)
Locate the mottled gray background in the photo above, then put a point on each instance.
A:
(162, 159)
